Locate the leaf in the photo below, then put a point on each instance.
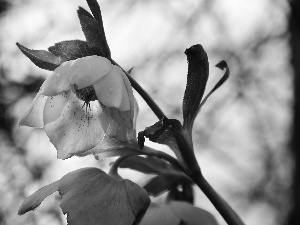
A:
(83, 12)
(95, 8)
(170, 132)
(90, 196)
(33, 201)
(177, 213)
(165, 182)
(222, 65)
(168, 176)
(156, 214)
(96, 11)
(148, 165)
(164, 131)
(191, 215)
(184, 192)
(198, 70)
(94, 33)
(73, 49)
(41, 58)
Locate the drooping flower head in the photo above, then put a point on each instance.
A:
(82, 104)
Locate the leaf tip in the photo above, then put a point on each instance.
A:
(222, 65)
(24, 208)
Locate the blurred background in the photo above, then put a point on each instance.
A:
(246, 136)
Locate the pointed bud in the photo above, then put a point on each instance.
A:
(198, 69)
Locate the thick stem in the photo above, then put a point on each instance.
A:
(229, 215)
(154, 107)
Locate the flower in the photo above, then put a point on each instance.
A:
(84, 103)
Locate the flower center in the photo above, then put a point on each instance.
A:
(86, 94)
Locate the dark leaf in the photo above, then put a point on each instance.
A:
(177, 213)
(94, 33)
(83, 12)
(73, 49)
(96, 11)
(198, 70)
(148, 165)
(171, 133)
(168, 175)
(90, 196)
(41, 58)
(222, 65)
(183, 192)
(165, 131)
(156, 214)
(190, 214)
(95, 8)
(165, 182)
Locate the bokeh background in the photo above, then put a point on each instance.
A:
(246, 136)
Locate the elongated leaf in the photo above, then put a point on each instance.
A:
(73, 49)
(165, 182)
(196, 82)
(90, 196)
(41, 58)
(95, 8)
(96, 11)
(83, 12)
(94, 34)
(33, 201)
(184, 192)
(168, 176)
(222, 65)
(148, 165)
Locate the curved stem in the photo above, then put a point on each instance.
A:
(229, 215)
(154, 107)
(114, 168)
(162, 155)
(148, 152)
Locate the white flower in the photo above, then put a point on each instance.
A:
(83, 103)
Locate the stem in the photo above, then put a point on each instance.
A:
(162, 155)
(154, 107)
(114, 168)
(229, 215)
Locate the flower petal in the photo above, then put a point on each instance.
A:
(110, 89)
(111, 147)
(78, 128)
(118, 124)
(54, 107)
(33, 117)
(128, 98)
(83, 72)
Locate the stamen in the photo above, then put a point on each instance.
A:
(86, 94)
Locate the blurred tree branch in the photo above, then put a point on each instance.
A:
(294, 27)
